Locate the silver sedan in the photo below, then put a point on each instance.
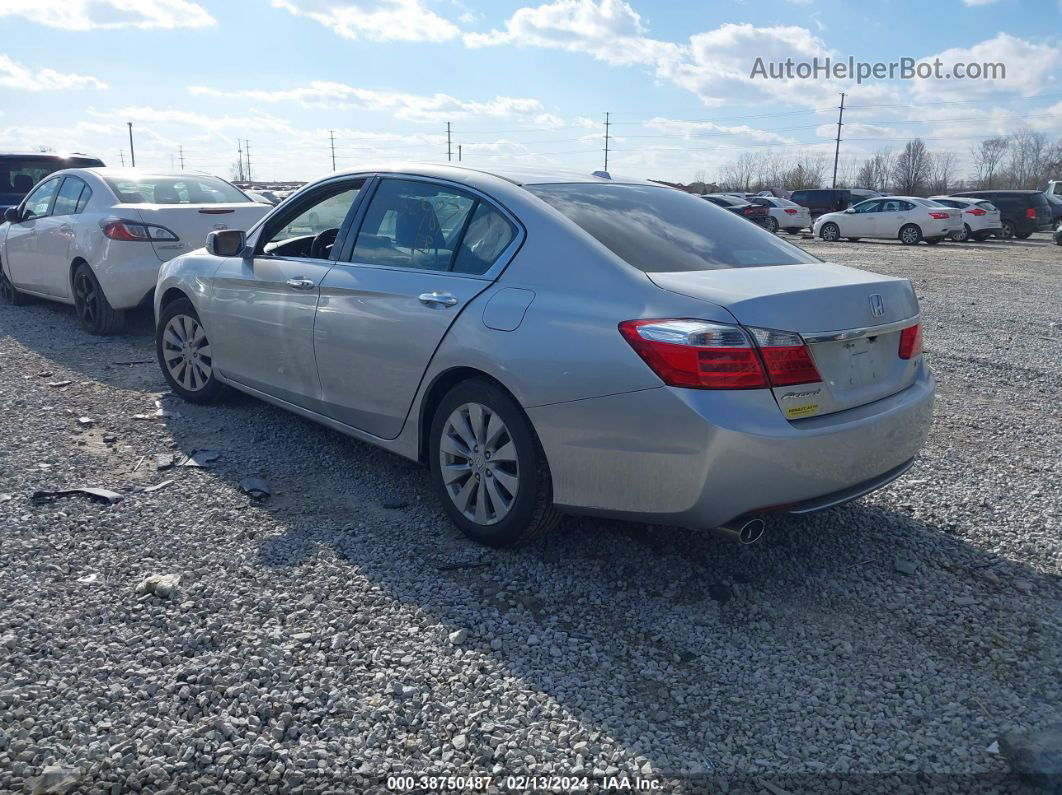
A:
(552, 343)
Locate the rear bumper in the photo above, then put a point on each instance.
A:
(700, 458)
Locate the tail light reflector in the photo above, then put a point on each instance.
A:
(702, 355)
(121, 229)
(938, 216)
(976, 211)
(1030, 212)
(790, 211)
(911, 341)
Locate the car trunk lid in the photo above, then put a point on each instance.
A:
(192, 222)
(850, 319)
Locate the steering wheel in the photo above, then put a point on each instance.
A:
(321, 246)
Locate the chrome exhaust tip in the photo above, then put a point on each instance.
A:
(744, 531)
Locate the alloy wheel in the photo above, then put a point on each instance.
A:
(86, 298)
(478, 460)
(186, 352)
(909, 235)
(830, 233)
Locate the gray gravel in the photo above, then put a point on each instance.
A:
(194, 638)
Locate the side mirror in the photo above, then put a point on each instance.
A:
(850, 209)
(227, 243)
(11, 215)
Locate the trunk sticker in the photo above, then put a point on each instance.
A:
(801, 411)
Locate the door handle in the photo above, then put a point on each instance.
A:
(437, 299)
(300, 284)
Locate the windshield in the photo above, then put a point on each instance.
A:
(175, 190)
(19, 173)
(661, 230)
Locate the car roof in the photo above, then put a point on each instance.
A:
(515, 174)
(141, 173)
(997, 190)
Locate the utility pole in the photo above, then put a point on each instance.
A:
(606, 140)
(180, 153)
(132, 154)
(332, 138)
(247, 154)
(449, 155)
(837, 146)
(239, 158)
(121, 154)
(459, 153)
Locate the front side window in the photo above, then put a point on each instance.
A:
(38, 202)
(69, 196)
(175, 190)
(310, 227)
(413, 224)
(660, 230)
(867, 207)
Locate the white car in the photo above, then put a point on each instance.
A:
(784, 214)
(908, 218)
(96, 237)
(980, 218)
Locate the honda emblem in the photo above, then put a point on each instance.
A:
(877, 305)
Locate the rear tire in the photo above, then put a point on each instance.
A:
(9, 294)
(910, 234)
(501, 502)
(963, 236)
(830, 232)
(184, 354)
(94, 311)
(771, 224)
(794, 230)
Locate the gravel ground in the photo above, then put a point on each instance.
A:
(343, 630)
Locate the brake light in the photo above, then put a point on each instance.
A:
(701, 355)
(977, 211)
(911, 341)
(210, 211)
(790, 211)
(1030, 212)
(938, 216)
(120, 229)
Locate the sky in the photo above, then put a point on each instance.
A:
(518, 82)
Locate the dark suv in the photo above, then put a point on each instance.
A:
(1021, 212)
(19, 173)
(830, 200)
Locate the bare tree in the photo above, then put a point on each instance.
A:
(807, 171)
(738, 174)
(942, 173)
(236, 170)
(987, 157)
(875, 171)
(1027, 163)
(912, 168)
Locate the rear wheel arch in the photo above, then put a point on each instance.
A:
(74, 263)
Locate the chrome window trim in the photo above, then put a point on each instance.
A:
(858, 333)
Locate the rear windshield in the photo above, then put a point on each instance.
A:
(175, 190)
(660, 230)
(986, 205)
(19, 174)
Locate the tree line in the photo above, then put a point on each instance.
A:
(1025, 159)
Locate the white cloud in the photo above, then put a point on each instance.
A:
(979, 2)
(410, 107)
(691, 130)
(1030, 69)
(103, 14)
(15, 75)
(382, 20)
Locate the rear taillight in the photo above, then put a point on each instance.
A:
(1030, 213)
(120, 229)
(976, 211)
(790, 211)
(939, 216)
(911, 341)
(702, 355)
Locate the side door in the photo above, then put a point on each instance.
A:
(424, 249)
(55, 234)
(20, 252)
(261, 312)
(861, 222)
(890, 217)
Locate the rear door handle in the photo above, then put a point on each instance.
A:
(300, 284)
(437, 299)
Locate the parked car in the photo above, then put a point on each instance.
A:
(980, 218)
(95, 237)
(1022, 212)
(910, 219)
(550, 342)
(260, 197)
(1054, 201)
(757, 213)
(784, 214)
(20, 172)
(820, 201)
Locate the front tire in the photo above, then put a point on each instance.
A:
(772, 224)
(488, 467)
(1008, 230)
(910, 235)
(9, 294)
(184, 353)
(963, 236)
(94, 311)
(830, 232)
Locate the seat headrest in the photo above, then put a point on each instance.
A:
(417, 226)
(166, 194)
(22, 183)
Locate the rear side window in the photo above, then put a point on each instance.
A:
(487, 236)
(799, 196)
(986, 205)
(66, 201)
(660, 230)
